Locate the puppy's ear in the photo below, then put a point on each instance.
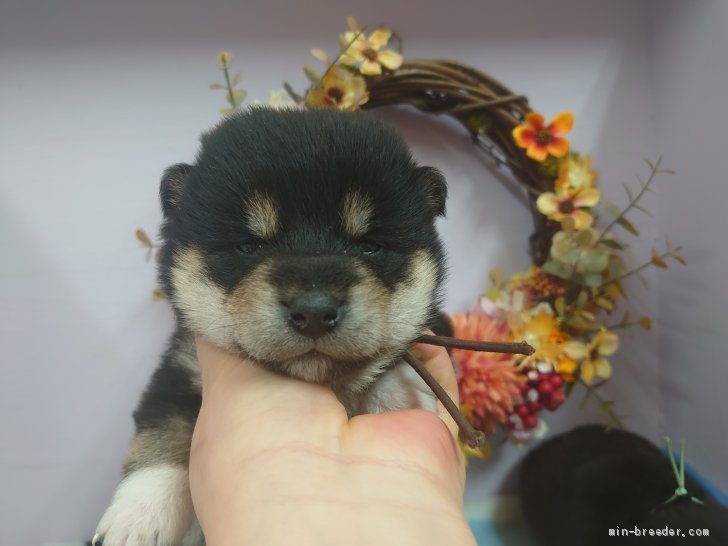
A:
(435, 189)
(173, 182)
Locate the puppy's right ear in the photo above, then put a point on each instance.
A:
(172, 186)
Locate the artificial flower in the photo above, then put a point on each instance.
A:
(568, 202)
(366, 53)
(540, 141)
(604, 343)
(538, 286)
(575, 173)
(488, 382)
(281, 100)
(339, 88)
(578, 252)
(538, 327)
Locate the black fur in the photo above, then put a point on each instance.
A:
(577, 486)
(309, 173)
(249, 284)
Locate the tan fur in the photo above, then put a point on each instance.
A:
(410, 302)
(262, 216)
(169, 444)
(201, 301)
(356, 214)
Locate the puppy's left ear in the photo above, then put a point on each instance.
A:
(172, 185)
(435, 189)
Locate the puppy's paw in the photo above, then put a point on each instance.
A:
(151, 507)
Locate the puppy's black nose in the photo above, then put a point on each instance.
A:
(314, 314)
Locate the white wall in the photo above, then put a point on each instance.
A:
(97, 99)
(691, 85)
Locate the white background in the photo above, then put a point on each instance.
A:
(96, 99)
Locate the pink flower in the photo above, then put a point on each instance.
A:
(488, 382)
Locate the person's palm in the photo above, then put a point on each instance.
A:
(269, 449)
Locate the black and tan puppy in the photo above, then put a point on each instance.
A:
(304, 240)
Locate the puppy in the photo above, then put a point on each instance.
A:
(305, 241)
(578, 486)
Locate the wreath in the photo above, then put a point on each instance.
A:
(565, 305)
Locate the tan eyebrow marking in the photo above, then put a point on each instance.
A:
(356, 213)
(262, 216)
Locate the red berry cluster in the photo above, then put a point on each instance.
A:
(541, 390)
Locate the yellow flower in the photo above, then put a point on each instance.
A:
(539, 140)
(575, 173)
(366, 53)
(574, 191)
(605, 343)
(538, 328)
(569, 203)
(339, 88)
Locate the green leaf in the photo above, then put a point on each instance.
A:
(643, 210)
(557, 269)
(612, 243)
(560, 306)
(611, 209)
(492, 293)
(605, 303)
(496, 276)
(216, 86)
(591, 279)
(629, 193)
(657, 260)
(239, 96)
(311, 73)
(143, 238)
(646, 323)
(606, 406)
(480, 122)
(236, 79)
(321, 55)
(679, 259)
(295, 96)
(569, 387)
(626, 224)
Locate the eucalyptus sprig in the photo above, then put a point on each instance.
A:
(234, 97)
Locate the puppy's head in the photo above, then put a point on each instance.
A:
(304, 240)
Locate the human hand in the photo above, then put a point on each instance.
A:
(275, 460)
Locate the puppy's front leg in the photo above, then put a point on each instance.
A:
(152, 504)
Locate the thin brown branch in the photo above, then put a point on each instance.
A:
(474, 438)
(521, 348)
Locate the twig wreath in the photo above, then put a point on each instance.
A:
(564, 305)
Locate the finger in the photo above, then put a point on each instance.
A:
(249, 382)
(438, 363)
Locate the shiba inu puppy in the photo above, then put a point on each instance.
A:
(305, 241)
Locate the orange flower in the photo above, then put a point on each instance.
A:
(488, 382)
(540, 141)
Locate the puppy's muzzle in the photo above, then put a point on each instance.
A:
(314, 314)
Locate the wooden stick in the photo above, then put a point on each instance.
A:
(474, 438)
(521, 348)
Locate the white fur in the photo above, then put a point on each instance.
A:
(151, 507)
(399, 388)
